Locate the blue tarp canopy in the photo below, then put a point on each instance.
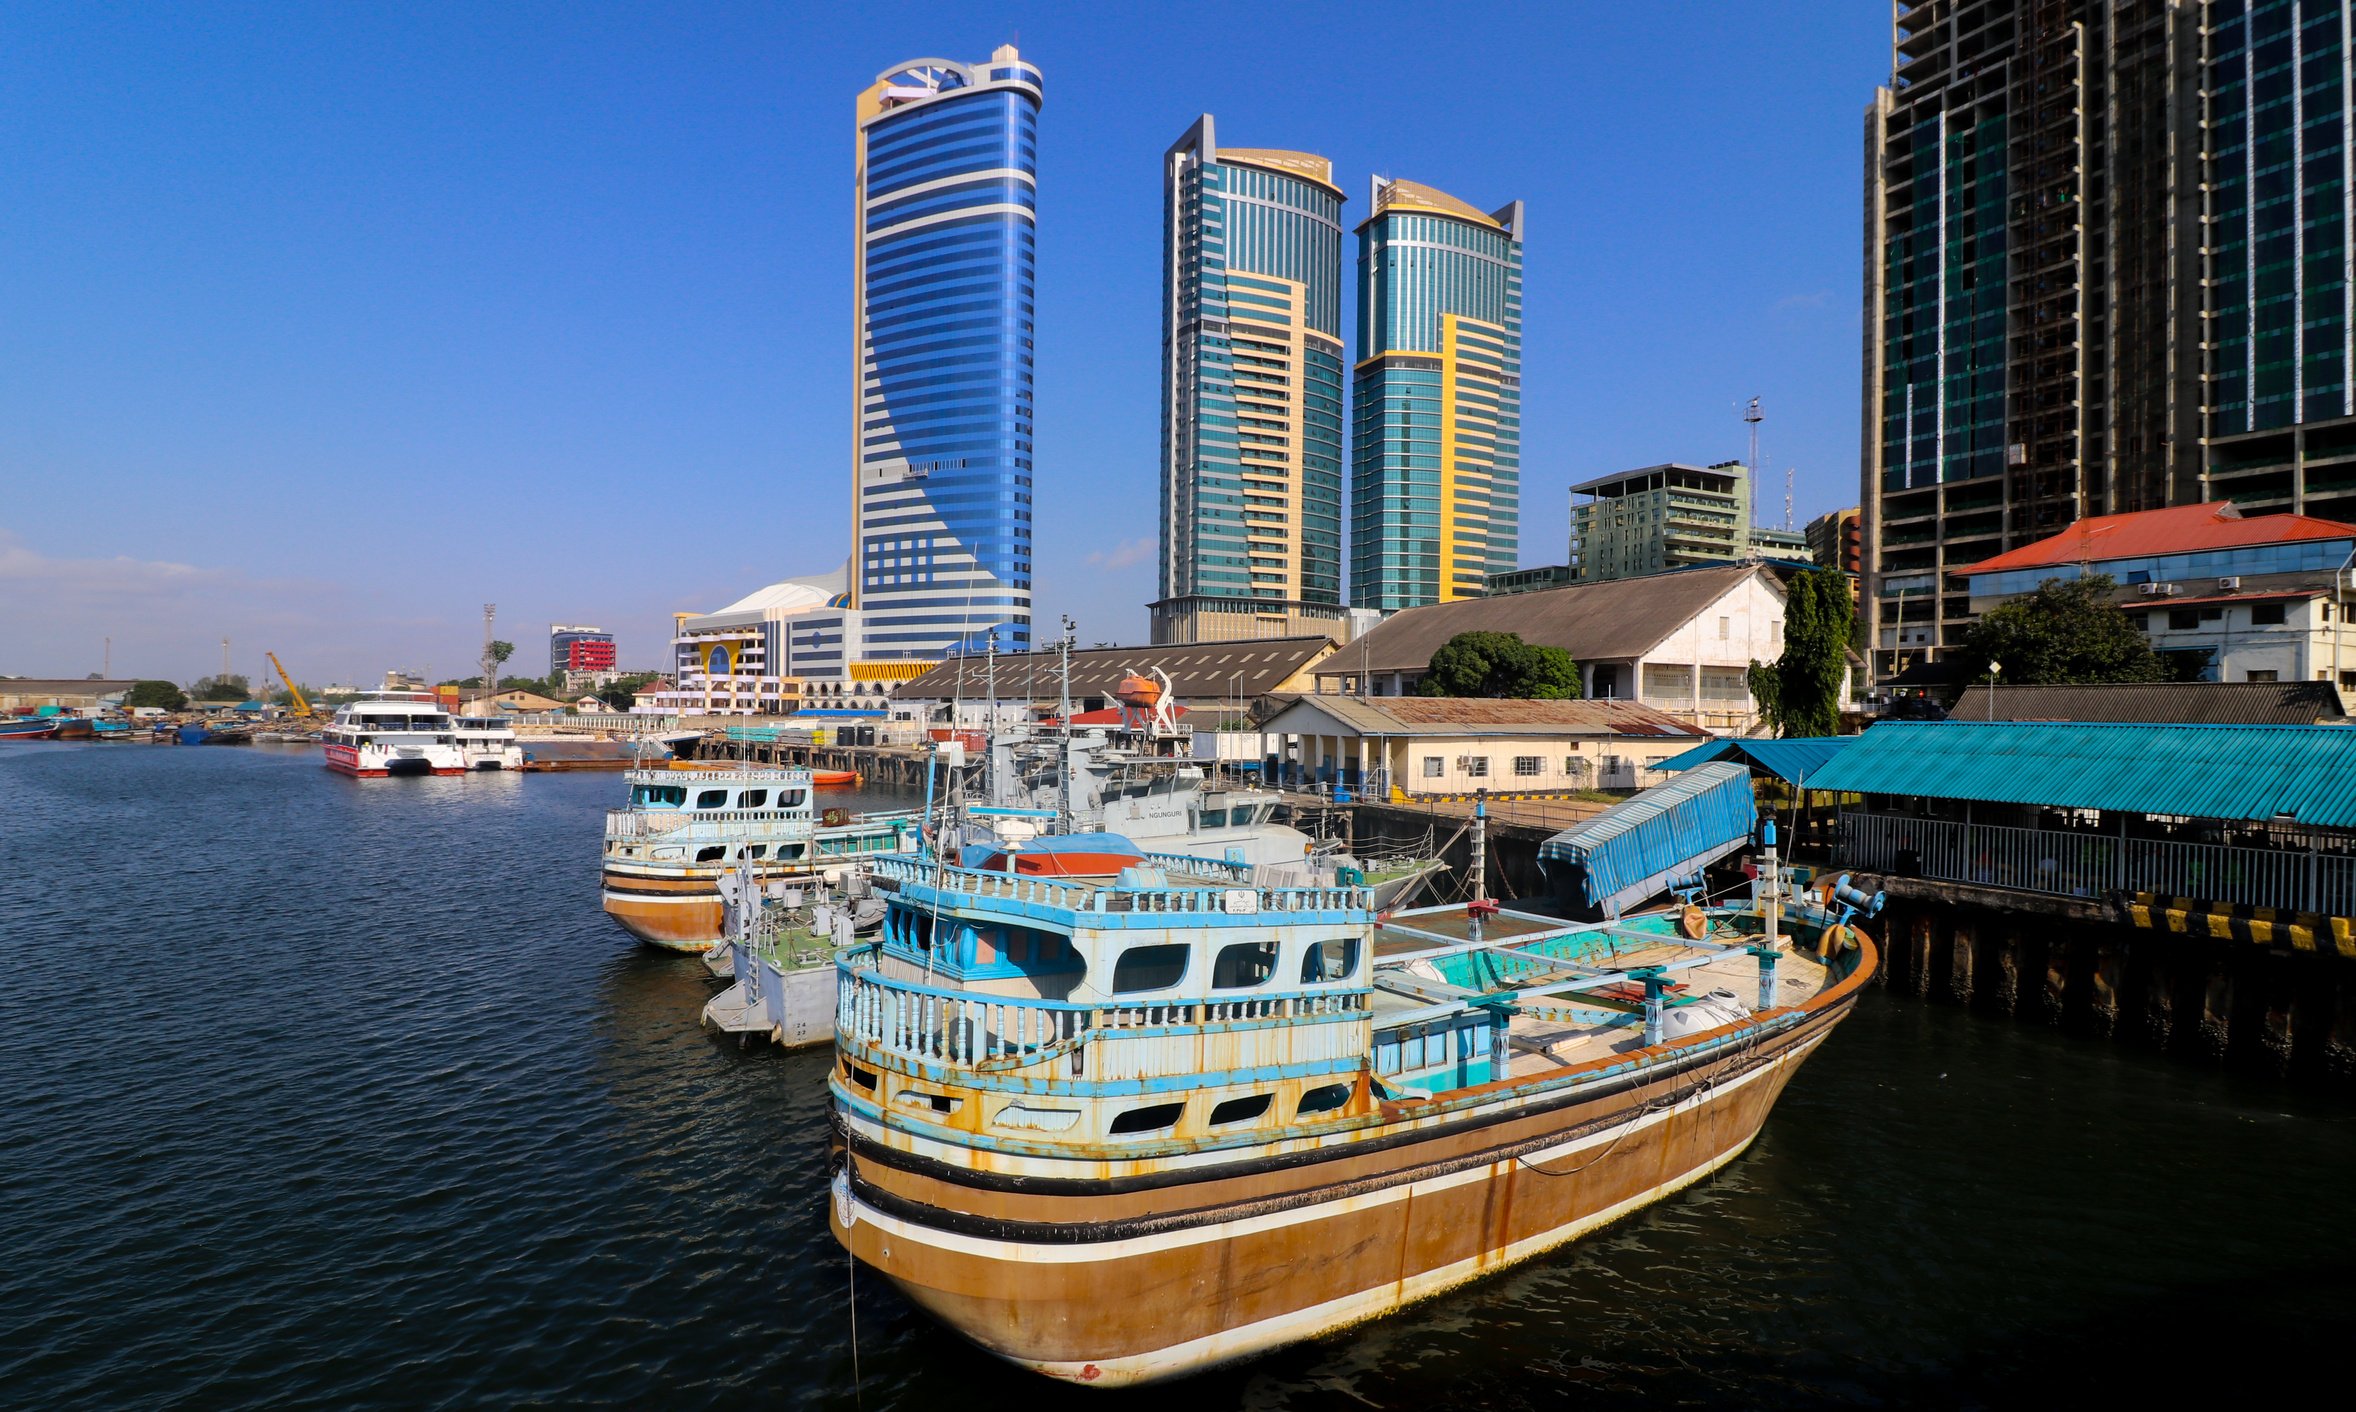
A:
(1795, 760)
(1631, 851)
(2301, 773)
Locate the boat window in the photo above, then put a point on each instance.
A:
(1153, 1117)
(1214, 818)
(758, 850)
(712, 799)
(752, 799)
(1322, 1100)
(790, 798)
(1241, 1110)
(1150, 967)
(712, 854)
(1333, 959)
(789, 850)
(1246, 963)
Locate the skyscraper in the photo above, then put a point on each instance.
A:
(1435, 475)
(2279, 79)
(945, 253)
(1251, 511)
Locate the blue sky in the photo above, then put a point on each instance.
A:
(321, 326)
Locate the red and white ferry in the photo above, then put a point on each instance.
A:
(394, 733)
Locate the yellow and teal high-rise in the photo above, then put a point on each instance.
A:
(1251, 393)
(1435, 475)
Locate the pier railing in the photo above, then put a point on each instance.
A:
(965, 1029)
(2064, 863)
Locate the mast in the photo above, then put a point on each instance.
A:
(1063, 646)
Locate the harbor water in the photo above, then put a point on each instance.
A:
(329, 1092)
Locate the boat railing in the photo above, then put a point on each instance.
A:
(635, 823)
(1088, 897)
(975, 1030)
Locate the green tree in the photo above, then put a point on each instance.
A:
(2067, 632)
(224, 688)
(1800, 691)
(622, 692)
(160, 694)
(1500, 664)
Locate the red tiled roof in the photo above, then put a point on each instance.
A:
(2180, 529)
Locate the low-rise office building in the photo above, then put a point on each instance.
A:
(1409, 746)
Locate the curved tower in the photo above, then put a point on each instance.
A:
(1251, 393)
(945, 251)
(1435, 475)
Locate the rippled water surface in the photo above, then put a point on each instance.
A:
(322, 1092)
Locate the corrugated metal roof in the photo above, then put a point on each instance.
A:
(2179, 529)
(1484, 715)
(1609, 621)
(1795, 759)
(2200, 771)
(1199, 671)
(2209, 703)
(1630, 851)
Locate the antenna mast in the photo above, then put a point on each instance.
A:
(1752, 416)
(1063, 646)
(1791, 480)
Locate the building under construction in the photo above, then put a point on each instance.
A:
(2031, 342)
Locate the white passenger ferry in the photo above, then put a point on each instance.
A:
(393, 733)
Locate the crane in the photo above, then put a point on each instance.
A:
(294, 694)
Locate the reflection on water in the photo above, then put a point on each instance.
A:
(326, 1091)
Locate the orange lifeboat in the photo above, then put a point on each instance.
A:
(1138, 690)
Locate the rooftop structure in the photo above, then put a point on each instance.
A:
(1252, 393)
(762, 653)
(1654, 518)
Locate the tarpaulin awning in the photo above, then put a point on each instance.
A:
(1632, 850)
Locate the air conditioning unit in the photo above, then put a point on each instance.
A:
(2152, 590)
(2229, 583)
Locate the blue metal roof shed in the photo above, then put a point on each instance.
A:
(2302, 773)
(1794, 760)
(1630, 851)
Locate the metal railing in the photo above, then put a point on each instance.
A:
(631, 823)
(2069, 863)
(1091, 898)
(967, 1029)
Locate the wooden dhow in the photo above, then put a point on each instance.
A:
(1122, 1129)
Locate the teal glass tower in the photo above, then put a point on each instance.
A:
(1251, 511)
(1436, 404)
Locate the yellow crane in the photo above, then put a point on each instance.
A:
(302, 706)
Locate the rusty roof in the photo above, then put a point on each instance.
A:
(2236, 703)
(2179, 529)
(1482, 715)
(1198, 671)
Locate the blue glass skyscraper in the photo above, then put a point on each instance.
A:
(946, 249)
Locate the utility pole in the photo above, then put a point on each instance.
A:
(224, 659)
(106, 669)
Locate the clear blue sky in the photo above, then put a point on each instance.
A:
(321, 326)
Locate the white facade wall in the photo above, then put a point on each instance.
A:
(2299, 648)
(1521, 764)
